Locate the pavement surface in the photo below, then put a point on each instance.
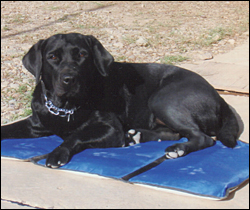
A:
(28, 186)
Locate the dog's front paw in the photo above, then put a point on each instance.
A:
(175, 151)
(58, 157)
(134, 137)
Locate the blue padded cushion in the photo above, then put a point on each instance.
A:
(211, 172)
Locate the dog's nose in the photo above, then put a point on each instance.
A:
(68, 79)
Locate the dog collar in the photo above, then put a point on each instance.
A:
(54, 109)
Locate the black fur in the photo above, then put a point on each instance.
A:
(110, 98)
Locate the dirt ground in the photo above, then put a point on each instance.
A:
(135, 31)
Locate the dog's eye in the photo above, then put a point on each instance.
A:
(53, 57)
(82, 54)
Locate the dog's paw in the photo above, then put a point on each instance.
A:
(175, 151)
(134, 137)
(58, 157)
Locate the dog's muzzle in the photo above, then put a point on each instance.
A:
(68, 79)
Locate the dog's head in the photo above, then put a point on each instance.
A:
(65, 61)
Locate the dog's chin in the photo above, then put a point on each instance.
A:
(67, 92)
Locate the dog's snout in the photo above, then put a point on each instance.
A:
(68, 79)
(68, 74)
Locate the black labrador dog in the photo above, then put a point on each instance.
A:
(90, 101)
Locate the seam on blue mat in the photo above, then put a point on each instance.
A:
(144, 168)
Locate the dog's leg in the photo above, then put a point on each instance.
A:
(94, 135)
(191, 115)
(101, 137)
(26, 128)
(186, 127)
(136, 136)
(196, 141)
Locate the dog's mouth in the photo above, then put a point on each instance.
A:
(67, 91)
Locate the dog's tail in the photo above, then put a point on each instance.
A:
(229, 130)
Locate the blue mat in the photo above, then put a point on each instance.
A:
(211, 172)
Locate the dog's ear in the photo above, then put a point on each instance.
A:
(102, 58)
(32, 61)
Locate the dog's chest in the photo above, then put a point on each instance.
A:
(61, 125)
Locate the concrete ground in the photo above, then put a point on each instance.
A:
(25, 185)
